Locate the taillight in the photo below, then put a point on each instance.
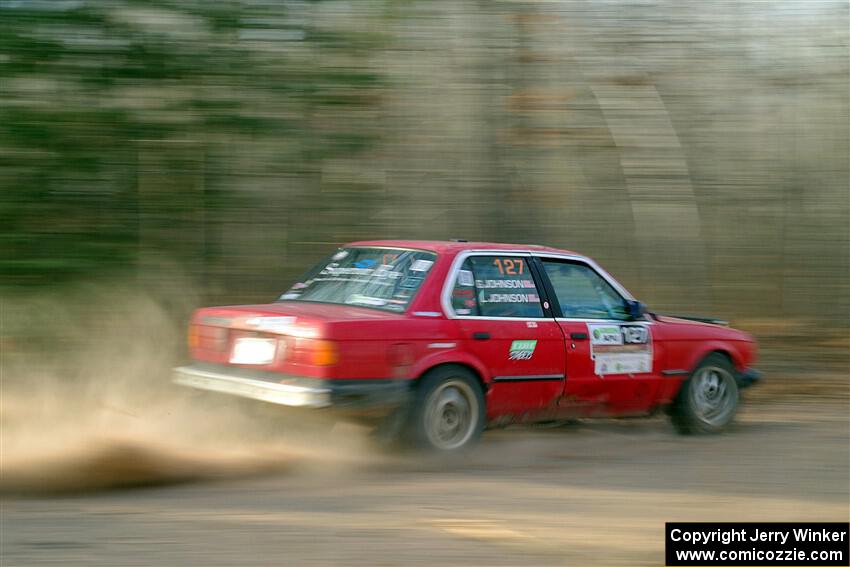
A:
(194, 337)
(208, 338)
(315, 352)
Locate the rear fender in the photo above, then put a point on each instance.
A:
(450, 356)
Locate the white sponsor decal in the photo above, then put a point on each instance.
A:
(606, 334)
(421, 266)
(340, 255)
(464, 278)
(366, 300)
(634, 334)
(622, 363)
(336, 272)
(620, 348)
(276, 324)
(502, 284)
(511, 298)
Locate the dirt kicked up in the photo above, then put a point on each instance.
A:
(87, 404)
(103, 451)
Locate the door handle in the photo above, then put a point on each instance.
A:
(578, 336)
(481, 336)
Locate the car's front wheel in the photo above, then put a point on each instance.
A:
(448, 412)
(708, 400)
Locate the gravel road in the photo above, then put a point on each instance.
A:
(594, 493)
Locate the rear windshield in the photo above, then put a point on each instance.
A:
(381, 278)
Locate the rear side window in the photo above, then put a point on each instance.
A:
(496, 286)
(380, 278)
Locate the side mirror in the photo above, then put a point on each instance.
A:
(636, 309)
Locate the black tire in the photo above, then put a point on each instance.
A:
(447, 413)
(708, 400)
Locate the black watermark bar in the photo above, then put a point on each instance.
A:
(763, 544)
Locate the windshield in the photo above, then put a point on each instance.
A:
(382, 278)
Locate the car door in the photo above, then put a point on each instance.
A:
(507, 325)
(611, 360)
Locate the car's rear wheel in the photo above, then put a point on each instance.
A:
(448, 413)
(708, 399)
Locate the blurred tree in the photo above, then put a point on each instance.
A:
(123, 119)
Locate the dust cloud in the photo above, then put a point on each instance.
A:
(87, 403)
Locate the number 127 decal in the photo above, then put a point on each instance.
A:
(634, 334)
(509, 267)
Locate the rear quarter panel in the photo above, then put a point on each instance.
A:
(393, 349)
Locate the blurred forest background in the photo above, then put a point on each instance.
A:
(698, 150)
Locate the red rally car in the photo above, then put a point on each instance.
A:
(434, 341)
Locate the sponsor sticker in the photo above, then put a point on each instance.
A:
(359, 299)
(504, 284)
(340, 255)
(510, 298)
(634, 334)
(336, 273)
(620, 348)
(622, 364)
(522, 350)
(275, 324)
(421, 266)
(604, 334)
(464, 278)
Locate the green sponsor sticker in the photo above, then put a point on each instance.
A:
(598, 331)
(522, 350)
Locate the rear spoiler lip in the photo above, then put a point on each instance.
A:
(709, 320)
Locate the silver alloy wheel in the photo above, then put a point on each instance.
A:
(451, 414)
(714, 395)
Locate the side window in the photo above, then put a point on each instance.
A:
(582, 293)
(464, 301)
(496, 286)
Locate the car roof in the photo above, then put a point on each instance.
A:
(453, 246)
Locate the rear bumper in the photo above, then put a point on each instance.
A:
(287, 394)
(747, 377)
(362, 397)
